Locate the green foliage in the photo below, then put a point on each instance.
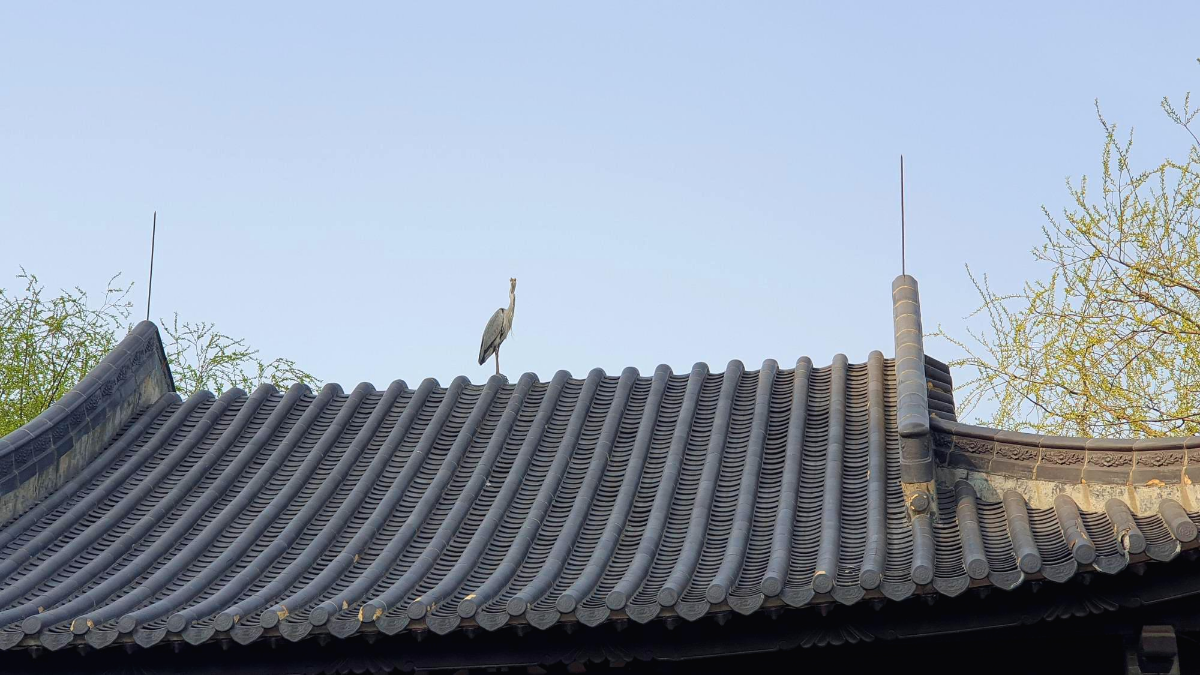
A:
(1107, 344)
(203, 358)
(48, 342)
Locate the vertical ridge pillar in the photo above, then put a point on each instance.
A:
(912, 410)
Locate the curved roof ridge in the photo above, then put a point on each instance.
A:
(1064, 442)
(50, 450)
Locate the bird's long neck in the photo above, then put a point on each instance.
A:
(512, 306)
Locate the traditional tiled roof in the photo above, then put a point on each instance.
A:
(536, 503)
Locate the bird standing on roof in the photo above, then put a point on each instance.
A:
(498, 328)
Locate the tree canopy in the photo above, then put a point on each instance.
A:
(1107, 342)
(49, 341)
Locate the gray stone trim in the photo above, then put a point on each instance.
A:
(1141, 471)
(916, 456)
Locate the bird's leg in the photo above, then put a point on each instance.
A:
(497, 360)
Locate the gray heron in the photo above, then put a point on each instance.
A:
(498, 327)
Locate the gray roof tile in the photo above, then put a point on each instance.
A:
(536, 503)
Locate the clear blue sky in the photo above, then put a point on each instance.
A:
(352, 186)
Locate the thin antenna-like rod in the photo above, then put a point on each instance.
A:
(902, 269)
(150, 283)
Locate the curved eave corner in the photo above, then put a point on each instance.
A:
(50, 450)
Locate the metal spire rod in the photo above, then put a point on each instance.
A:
(902, 265)
(150, 283)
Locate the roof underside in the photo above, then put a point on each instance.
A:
(527, 502)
